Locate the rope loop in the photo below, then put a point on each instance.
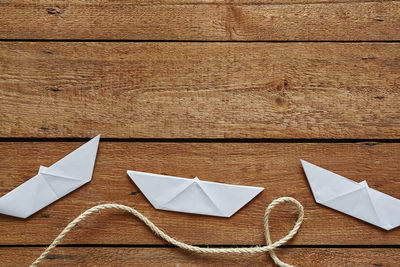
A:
(157, 231)
(289, 236)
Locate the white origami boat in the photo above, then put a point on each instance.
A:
(352, 198)
(193, 195)
(52, 183)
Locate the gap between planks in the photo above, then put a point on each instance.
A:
(193, 41)
(198, 245)
(206, 140)
(175, 257)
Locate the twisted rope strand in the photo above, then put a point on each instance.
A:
(157, 231)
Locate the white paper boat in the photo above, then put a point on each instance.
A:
(193, 195)
(52, 183)
(352, 198)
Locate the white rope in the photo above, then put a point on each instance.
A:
(269, 248)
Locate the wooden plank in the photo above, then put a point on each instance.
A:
(273, 166)
(200, 90)
(201, 20)
(72, 256)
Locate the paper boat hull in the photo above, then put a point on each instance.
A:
(352, 198)
(193, 195)
(52, 183)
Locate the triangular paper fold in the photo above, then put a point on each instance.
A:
(193, 195)
(79, 163)
(188, 201)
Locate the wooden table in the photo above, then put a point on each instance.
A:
(230, 91)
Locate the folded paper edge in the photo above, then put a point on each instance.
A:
(364, 183)
(222, 214)
(43, 168)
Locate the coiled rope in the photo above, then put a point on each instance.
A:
(268, 248)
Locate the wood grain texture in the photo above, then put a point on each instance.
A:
(200, 90)
(71, 256)
(200, 20)
(273, 166)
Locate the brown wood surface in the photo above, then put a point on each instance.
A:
(200, 90)
(306, 257)
(273, 166)
(200, 20)
(200, 70)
